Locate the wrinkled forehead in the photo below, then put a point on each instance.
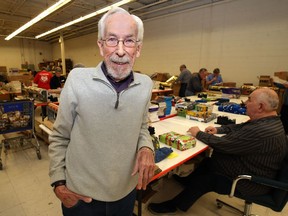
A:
(120, 24)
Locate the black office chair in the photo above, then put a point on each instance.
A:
(275, 200)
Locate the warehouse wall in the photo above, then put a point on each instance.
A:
(244, 38)
(17, 51)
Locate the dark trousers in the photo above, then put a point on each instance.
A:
(284, 117)
(122, 207)
(200, 182)
(182, 89)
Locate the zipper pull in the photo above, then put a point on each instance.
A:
(117, 101)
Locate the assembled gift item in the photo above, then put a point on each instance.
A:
(178, 141)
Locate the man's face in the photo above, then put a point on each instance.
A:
(58, 74)
(119, 60)
(252, 104)
(203, 74)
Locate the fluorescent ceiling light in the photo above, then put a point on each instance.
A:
(88, 16)
(42, 15)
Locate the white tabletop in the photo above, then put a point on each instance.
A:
(181, 125)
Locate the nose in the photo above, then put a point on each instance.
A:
(120, 48)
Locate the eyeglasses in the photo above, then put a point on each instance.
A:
(113, 42)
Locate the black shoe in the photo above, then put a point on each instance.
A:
(167, 208)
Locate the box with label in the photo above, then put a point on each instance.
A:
(200, 112)
(178, 141)
(231, 92)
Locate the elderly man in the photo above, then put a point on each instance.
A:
(100, 148)
(255, 147)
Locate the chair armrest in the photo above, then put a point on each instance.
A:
(270, 182)
(235, 181)
(259, 180)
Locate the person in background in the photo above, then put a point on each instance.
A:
(79, 65)
(43, 78)
(215, 78)
(57, 81)
(194, 85)
(245, 149)
(184, 77)
(100, 148)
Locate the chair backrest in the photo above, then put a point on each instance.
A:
(280, 197)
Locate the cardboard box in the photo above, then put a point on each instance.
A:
(282, 75)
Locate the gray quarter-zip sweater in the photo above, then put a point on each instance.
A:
(94, 142)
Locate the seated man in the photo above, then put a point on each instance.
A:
(215, 78)
(194, 85)
(256, 147)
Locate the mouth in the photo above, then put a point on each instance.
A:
(120, 63)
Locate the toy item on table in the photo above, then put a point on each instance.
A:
(164, 105)
(221, 101)
(247, 89)
(206, 97)
(200, 112)
(181, 108)
(225, 120)
(231, 92)
(178, 141)
(196, 111)
(155, 140)
(153, 113)
(162, 153)
(233, 108)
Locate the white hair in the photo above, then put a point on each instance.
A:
(268, 97)
(114, 10)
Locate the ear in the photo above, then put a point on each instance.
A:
(261, 106)
(100, 45)
(138, 50)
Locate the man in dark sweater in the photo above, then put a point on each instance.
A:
(194, 85)
(184, 78)
(257, 147)
(57, 80)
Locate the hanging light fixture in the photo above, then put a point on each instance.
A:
(88, 16)
(42, 15)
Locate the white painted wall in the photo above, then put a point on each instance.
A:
(244, 38)
(80, 50)
(17, 51)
